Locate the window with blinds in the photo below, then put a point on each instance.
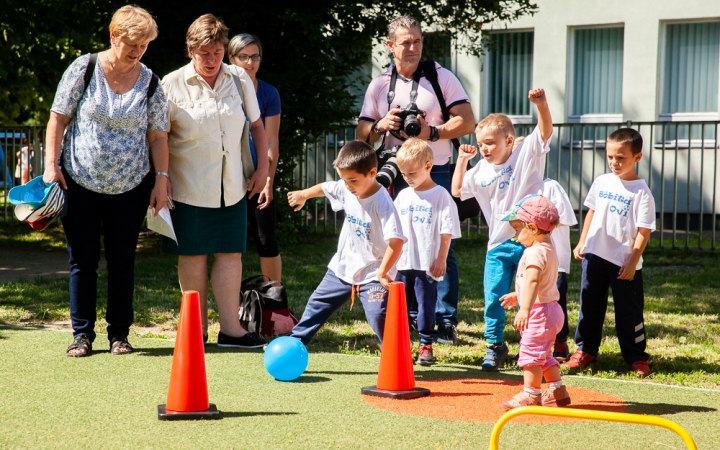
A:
(690, 73)
(508, 68)
(597, 74)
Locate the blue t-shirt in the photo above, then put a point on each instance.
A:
(269, 101)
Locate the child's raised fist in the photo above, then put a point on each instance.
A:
(537, 96)
(467, 151)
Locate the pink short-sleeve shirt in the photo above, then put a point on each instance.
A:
(375, 105)
(543, 256)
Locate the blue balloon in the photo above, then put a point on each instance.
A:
(286, 358)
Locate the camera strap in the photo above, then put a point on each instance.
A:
(391, 96)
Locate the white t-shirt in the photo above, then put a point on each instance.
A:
(369, 225)
(375, 105)
(424, 216)
(560, 236)
(497, 187)
(621, 207)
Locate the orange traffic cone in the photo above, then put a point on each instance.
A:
(396, 378)
(188, 391)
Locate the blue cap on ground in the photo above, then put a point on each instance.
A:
(33, 194)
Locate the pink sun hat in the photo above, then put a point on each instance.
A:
(535, 209)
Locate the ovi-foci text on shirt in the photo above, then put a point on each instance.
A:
(497, 187)
(206, 125)
(425, 215)
(369, 225)
(621, 207)
(560, 236)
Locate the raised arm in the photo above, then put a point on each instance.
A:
(466, 153)
(537, 96)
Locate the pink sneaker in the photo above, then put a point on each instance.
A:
(522, 399)
(556, 397)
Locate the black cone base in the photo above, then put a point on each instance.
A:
(398, 395)
(210, 414)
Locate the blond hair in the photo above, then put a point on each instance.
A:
(497, 122)
(134, 23)
(207, 29)
(414, 151)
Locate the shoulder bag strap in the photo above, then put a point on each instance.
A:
(432, 76)
(92, 62)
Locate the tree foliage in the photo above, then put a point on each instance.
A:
(312, 50)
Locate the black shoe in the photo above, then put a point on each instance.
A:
(250, 340)
(413, 325)
(447, 334)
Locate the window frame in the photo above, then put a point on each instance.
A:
(570, 78)
(516, 119)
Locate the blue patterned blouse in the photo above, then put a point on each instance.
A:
(105, 145)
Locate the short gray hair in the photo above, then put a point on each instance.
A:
(407, 22)
(240, 41)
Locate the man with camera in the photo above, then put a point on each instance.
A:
(424, 100)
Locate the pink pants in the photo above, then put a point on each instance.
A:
(546, 320)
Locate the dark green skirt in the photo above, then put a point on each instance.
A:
(204, 231)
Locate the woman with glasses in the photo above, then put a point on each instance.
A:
(208, 113)
(245, 51)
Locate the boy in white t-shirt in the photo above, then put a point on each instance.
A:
(620, 218)
(370, 242)
(560, 238)
(430, 221)
(499, 181)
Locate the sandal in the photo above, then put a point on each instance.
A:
(120, 346)
(81, 346)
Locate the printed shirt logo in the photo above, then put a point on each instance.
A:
(376, 294)
(618, 203)
(504, 183)
(418, 216)
(362, 229)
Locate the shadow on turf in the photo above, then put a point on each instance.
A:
(661, 409)
(228, 414)
(331, 372)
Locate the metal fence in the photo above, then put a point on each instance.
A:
(21, 159)
(679, 164)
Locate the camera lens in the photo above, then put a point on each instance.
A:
(388, 172)
(411, 125)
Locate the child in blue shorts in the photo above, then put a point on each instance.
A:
(430, 222)
(370, 243)
(499, 181)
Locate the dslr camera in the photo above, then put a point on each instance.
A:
(387, 161)
(409, 115)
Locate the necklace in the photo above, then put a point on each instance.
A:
(117, 71)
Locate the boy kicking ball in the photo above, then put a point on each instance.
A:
(370, 242)
(540, 317)
(430, 221)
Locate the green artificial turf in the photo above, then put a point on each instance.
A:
(104, 401)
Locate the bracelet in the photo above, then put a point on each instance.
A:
(162, 174)
(434, 134)
(375, 128)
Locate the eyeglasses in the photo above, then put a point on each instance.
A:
(244, 57)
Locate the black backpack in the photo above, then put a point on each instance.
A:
(264, 307)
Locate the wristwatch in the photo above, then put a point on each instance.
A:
(375, 128)
(434, 134)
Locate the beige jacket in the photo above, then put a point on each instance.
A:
(206, 127)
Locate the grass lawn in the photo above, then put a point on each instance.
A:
(681, 310)
(51, 401)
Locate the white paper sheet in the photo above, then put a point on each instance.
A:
(162, 223)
